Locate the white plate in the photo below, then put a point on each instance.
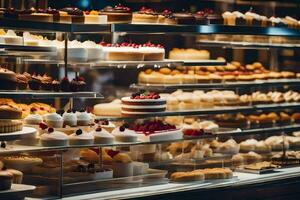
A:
(18, 134)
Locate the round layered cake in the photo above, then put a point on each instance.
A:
(143, 104)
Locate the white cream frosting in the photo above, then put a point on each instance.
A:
(34, 117)
(125, 133)
(151, 50)
(53, 117)
(103, 134)
(56, 135)
(83, 116)
(83, 136)
(69, 116)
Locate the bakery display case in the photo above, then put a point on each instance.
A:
(185, 113)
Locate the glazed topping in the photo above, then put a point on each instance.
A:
(78, 132)
(118, 9)
(145, 95)
(50, 130)
(43, 126)
(152, 126)
(148, 11)
(73, 11)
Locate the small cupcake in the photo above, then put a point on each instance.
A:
(81, 138)
(22, 81)
(54, 120)
(123, 134)
(46, 82)
(55, 86)
(34, 83)
(54, 138)
(84, 118)
(33, 119)
(102, 136)
(74, 85)
(81, 84)
(65, 85)
(70, 118)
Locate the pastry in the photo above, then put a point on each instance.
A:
(145, 15)
(10, 111)
(184, 18)
(187, 176)
(8, 126)
(117, 14)
(152, 52)
(17, 176)
(123, 134)
(22, 81)
(22, 163)
(54, 138)
(81, 138)
(248, 145)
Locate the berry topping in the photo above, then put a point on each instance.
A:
(50, 130)
(145, 95)
(3, 144)
(43, 126)
(98, 129)
(151, 127)
(104, 122)
(122, 128)
(69, 111)
(32, 110)
(112, 153)
(126, 125)
(96, 121)
(79, 132)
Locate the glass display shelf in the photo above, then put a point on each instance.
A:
(30, 94)
(255, 45)
(146, 28)
(27, 48)
(236, 84)
(19, 147)
(124, 64)
(209, 111)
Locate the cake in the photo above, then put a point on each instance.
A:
(35, 15)
(145, 16)
(121, 52)
(93, 17)
(123, 134)
(143, 103)
(102, 136)
(152, 52)
(157, 130)
(59, 16)
(122, 164)
(188, 54)
(117, 14)
(81, 138)
(75, 13)
(8, 79)
(108, 109)
(184, 18)
(94, 51)
(54, 138)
